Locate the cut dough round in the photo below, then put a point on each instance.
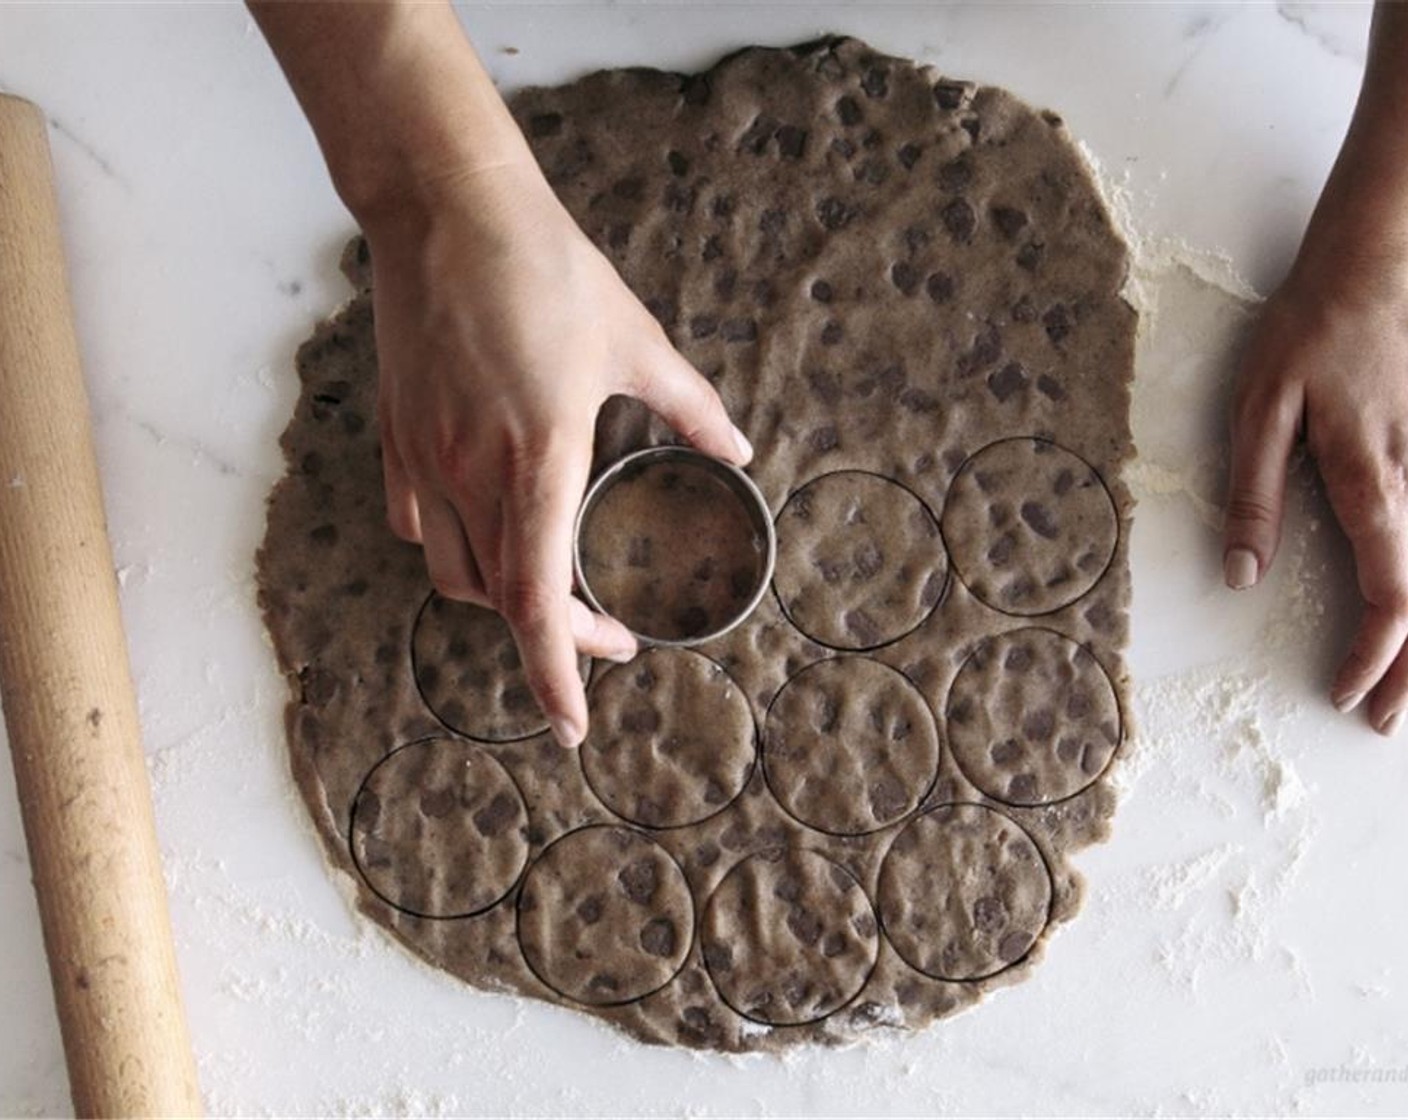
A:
(964, 893)
(1029, 525)
(671, 740)
(850, 746)
(860, 561)
(789, 937)
(469, 672)
(438, 829)
(1032, 717)
(605, 916)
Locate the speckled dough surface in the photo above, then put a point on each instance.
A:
(441, 795)
(605, 916)
(670, 741)
(860, 560)
(850, 746)
(904, 286)
(1032, 526)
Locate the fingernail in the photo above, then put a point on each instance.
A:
(1348, 702)
(1240, 568)
(1389, 727)
(567, 732)
(745, 449)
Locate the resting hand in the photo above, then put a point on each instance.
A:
(1329, 362)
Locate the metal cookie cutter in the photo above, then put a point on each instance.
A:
(749, 497)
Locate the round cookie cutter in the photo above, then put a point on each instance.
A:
(750, 498)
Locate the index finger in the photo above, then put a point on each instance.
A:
(535, 587)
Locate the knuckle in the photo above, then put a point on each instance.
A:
(706, 415)
(1247, 507)
(526, 603)
(1357, 663)
(693, 432)
(1248, 407)
(528, 454)
(1370, 496)
(1393, 602)
(551, 695)
(539, 488)
(1258, 406)
(521, 462)
(1390, 484)
(449, 458)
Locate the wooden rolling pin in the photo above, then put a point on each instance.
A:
(66, 685)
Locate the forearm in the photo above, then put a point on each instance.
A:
(395, 94)
(1363, 210)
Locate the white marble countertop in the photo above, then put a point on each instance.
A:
(1244, 929)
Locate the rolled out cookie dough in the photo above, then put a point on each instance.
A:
(858, 808)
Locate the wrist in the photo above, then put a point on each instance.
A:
(1357, 238)
(1360, 225)
(396, 96)
(437, 121)
(1354, 254)
(483, 210)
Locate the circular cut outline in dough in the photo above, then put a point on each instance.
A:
(1004, 798)
(468, 745)
(934, 724)
(691, 926)
(743, 489)
(956, 565)
(880, 892)
(773, 855)
(943, 545)
(462, 732)
(754, 743)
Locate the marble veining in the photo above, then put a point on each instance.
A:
(1334, 28)
(67, 134)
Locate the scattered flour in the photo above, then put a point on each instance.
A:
(1150, 480)
(1172, 887)
(1210, 752)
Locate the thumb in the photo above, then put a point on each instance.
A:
(672, 387)
(1265, 422)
